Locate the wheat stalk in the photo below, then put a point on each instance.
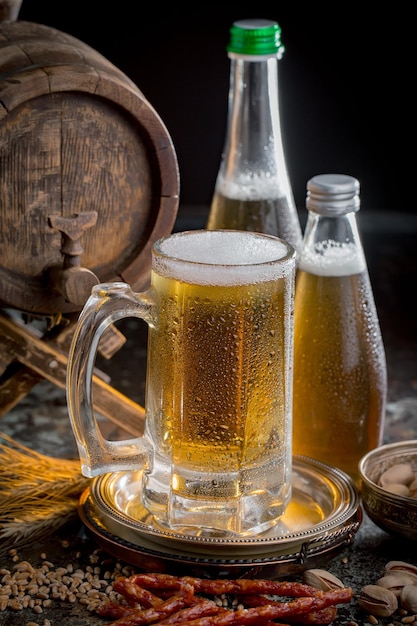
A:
(38, 493)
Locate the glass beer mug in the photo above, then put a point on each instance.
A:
(216, 451)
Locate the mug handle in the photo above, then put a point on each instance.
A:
(107, 303)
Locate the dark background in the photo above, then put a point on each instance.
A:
(345, 85)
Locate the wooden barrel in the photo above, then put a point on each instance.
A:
(88, 172)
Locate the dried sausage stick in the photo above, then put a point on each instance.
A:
(200, 609)
(249, 586)
(135, 595)
(219, 586)
(322, 618)
(159, 581)
(140, 617)
(113, 610)
(259, 616)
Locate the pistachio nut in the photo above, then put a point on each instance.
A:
(395, 582)
(400, 473)
(413, 488)
(321, 579)
(397, 489)
(377, 600)
(408, 598)
(401, 567)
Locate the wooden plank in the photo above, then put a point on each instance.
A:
(45, 360)
(15, 385)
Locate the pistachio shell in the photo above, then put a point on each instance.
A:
(413, 489)
(408, 598)
(401, 567)
(321, 579)
(396, 581)
(377, 600)
(399, 473)
(413, 485)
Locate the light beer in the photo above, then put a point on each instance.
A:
(339, 363)
(219, 369)
(269, 214)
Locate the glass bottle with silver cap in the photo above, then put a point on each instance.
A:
(340, 379)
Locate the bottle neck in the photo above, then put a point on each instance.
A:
(332, 245)
(253, 137)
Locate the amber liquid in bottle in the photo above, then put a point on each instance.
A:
(339, 372)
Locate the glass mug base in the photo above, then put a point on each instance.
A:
(218, 505)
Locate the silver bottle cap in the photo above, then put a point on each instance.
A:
(333, 194)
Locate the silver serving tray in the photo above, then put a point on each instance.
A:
(323, 508)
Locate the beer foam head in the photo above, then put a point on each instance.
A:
(331, 258)
(251, 186)
(222, 257)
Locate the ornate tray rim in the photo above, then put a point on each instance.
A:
(313, 552)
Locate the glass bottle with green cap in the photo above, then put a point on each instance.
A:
(253, 190)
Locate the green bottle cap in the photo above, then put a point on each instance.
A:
(255, 37)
